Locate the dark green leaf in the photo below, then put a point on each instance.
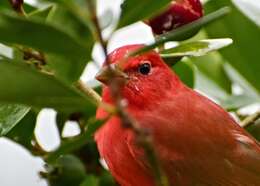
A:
(10, 115)
(39, 36)
(196, 48)
(185, 71)
(182, 32)
(90, 180)
(74, 143)
(21, 84)
(254, 130)
(41, 14)
(68, 170)
(59, 45)
(136, 10)
(245, 52)
(23, 132)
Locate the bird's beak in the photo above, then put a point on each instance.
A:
(106, 73)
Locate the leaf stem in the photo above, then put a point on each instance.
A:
(250, 120)
(89, 92)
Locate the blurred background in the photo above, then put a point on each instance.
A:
(215, 78)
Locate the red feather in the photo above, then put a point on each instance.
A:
(197, 142)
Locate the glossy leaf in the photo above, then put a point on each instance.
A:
(23, 132)
(21, 84)
(10, 115)
(49, 39)
(136, 10)
(245, 51)
(196, 48)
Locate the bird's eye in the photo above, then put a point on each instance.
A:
(144, 68)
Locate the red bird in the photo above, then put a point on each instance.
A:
(196, 141)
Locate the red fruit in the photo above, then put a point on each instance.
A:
(197, 142)
(179, 13)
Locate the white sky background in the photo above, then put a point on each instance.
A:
(17, 166)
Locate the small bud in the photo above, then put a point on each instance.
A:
(17, 5)
(180, 12)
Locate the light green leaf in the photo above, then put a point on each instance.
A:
(212, 66)
(236, 102)
(196, 48)
(21, 84)
(250, 8)
(244, 54)
(136, 10)
(10, 115)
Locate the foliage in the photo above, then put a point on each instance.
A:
(52, 46)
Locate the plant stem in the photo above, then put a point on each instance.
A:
(89, 92)
(250, 120)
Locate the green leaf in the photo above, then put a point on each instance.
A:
(75, 143)
(238, 79)
(38, 35)
(68, 170)
(250, 8)
(10, 115)
(21, 84)
(106, 19)
(41, 14)
(237, 101)
(90, 180)
(136, 10)
(50, 39)
(185, 71)
(245, 51)
(254, 130)
(212, 66)
(196, 48)
(209, 87)
(182, 32)
(23, 132)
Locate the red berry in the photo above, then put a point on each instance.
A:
(179, 13)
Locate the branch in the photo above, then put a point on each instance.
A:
(89, 92)
(250, 120)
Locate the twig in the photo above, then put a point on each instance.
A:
(89, 92)
(144, 139)
(250, 120)
(17, 5)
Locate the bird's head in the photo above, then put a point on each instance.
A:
(145, 77)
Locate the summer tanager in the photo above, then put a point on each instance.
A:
(196, 141)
